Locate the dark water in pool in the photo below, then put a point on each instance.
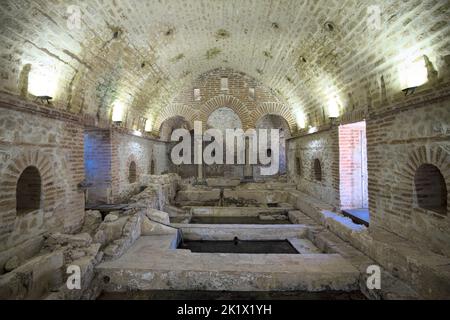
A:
(235, 220)
(249, 247)
(221, 295)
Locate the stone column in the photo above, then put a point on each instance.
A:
(248, 169)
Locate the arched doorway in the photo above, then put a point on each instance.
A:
(272, 121)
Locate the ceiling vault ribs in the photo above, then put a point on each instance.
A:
(316, 57)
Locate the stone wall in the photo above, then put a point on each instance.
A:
(303, 151)
(128, 148)
(398, 144)
(53, 145)
(246, 96)
(97, 159)
(400, 139)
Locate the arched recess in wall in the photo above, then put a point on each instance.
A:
(221, 119)
(298, 165)
(275, 109)
(152, 166)
(224, 118)
(171, 124)
(274, 121)
(29, 191)
(317, 170)
(175, 110)
(132, 172)
(425, 173)
(431, 189)
(21, 171)
(225, 101)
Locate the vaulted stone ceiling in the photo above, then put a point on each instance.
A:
(142, 52)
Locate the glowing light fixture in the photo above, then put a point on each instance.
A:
(413, 74)
(118, 111)
(333, 108)
(148, 125)
(300, 118)
(43, 81)
(312, 129)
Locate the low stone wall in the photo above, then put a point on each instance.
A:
(41, 267)
(425, 271)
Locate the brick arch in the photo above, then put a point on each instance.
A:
(317, 171)
(436, 156)
(8, 184)
(277, 109)
(139, 172)
(175, 110)
(225, 101)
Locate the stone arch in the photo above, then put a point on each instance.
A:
(132, 170)
(435, 156)
(430, 188)
(152, 166)
(317, 171)
(8, 189)
(275, 109)
(175, 122)
(225, 101)
(29, 191)
(175, 110)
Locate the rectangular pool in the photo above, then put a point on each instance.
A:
(239, 246)
(235, 220)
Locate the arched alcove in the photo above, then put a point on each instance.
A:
(28, 191)
(273, 121)
(224, 118)
(171, 124)
(431, 190)
(317, 170)
(298, 165)
(132, 174)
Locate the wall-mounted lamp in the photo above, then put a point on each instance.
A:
(118, 112)
(409, 91)
(333, 108)
(312, 129)
(332, 120)
(300, 119)
(43, 80)
(43, 99)
(413, 75)
(148, 125)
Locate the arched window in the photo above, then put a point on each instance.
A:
(431, 190)
(152, 167)
(28, 192)
(298, 165)
(317, 170)
(132, 172)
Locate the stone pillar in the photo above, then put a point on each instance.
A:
(248, 170)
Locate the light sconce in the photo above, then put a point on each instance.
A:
(312, 129)
(118, 112)
(413, 75)
(148, 126)
(300, 119)
(409, 91)
(43, 82)
(43, 99)
(333, 109)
